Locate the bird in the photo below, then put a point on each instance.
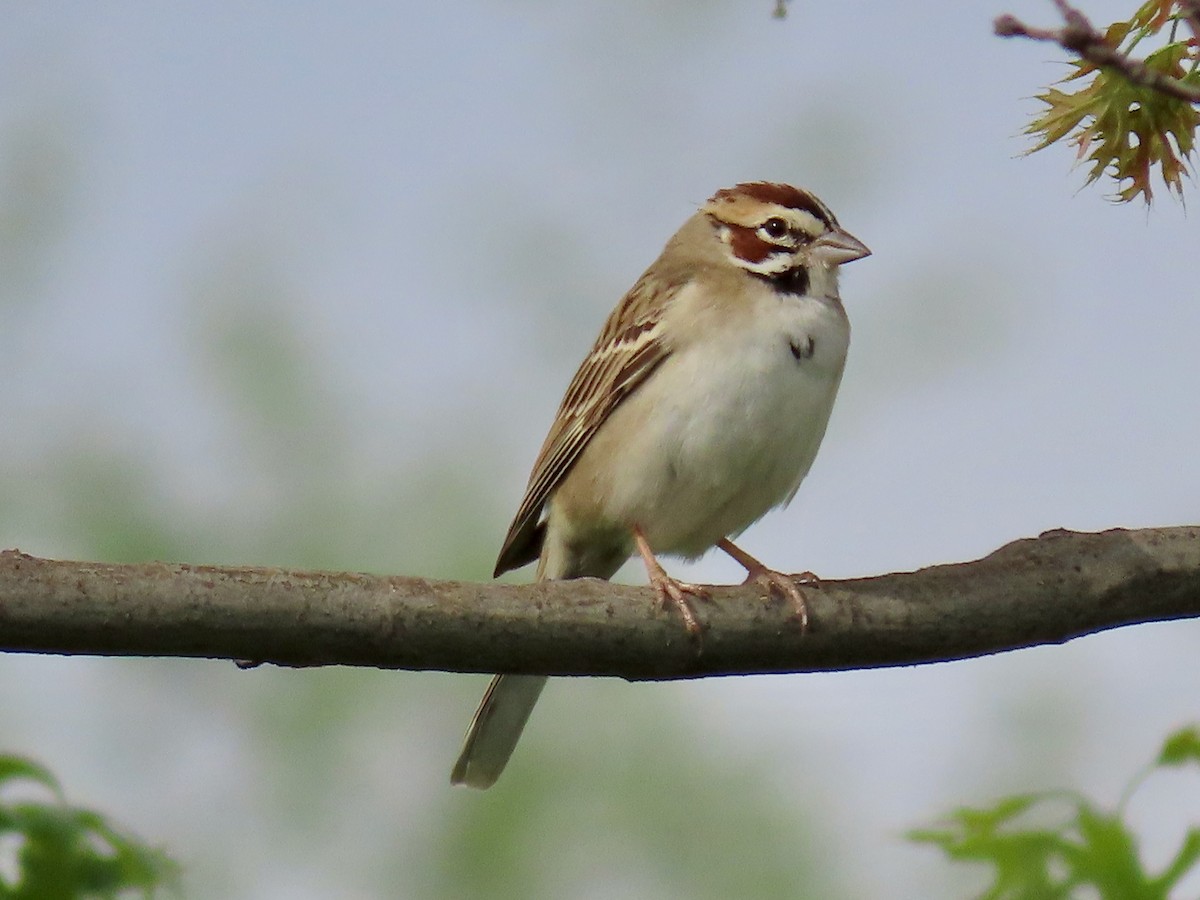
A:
(699, 408)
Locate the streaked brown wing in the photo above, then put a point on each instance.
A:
(624, 355)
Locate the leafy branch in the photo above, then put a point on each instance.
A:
(1126, 116)
(1090, 847)
(63, 851)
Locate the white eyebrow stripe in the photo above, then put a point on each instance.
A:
(806, 222)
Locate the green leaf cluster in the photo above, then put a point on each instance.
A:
(1090, 848)
(1125, 129)
(62, 852)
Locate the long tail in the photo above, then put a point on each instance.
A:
(509, 699)
(496, 728)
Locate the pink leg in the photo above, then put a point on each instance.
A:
(671, 591)
(774, 581)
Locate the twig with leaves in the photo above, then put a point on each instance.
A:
(1035, 852)
(1134, 114)
(1079, 36)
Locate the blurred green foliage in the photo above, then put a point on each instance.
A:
(62, 852)
(1088, 852)
(621, 801)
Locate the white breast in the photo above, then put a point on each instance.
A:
(727, 427)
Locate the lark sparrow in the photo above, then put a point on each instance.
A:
(700, 408)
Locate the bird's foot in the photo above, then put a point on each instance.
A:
(787, 586)
(671, 591)
(776, 583)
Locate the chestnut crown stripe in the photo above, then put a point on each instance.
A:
(780, 194)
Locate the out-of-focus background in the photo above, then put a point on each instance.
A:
(301, 285)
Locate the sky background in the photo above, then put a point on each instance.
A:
(302, 284)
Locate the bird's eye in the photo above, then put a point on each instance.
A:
(775, 227)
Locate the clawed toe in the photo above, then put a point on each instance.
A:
(674, 593)
(788, 587)
(671, 591)
(808, 579)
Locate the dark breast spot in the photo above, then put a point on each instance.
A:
(802, 348)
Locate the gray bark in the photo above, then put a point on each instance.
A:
(1042, 590)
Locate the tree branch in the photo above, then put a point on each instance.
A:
(1079, 36)
(1042, 590)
